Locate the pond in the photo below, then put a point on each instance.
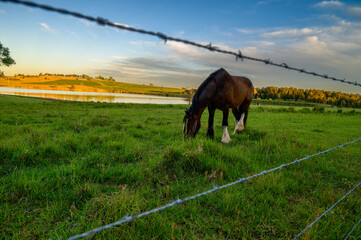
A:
(93, 96)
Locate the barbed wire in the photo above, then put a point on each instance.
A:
(353, 229)
(130, 218)
(328, 210)
(238, 55)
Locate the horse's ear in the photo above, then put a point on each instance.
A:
(187, 112)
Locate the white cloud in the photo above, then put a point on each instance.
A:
(354, 11)
(265, 2)
(326, 4)
(46, 28)
(145, 43)
(291, 32)
(245, 31)
(314, 41)
(183, 49)
(340, 8)
(263, 43)
(180, 33)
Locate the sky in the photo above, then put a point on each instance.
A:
(319, 36)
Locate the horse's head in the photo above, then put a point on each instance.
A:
(191, 124)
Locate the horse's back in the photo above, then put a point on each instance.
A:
(231, 91)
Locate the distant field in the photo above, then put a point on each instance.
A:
(64, 83)
(69, 167)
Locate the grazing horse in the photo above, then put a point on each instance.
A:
(219, 91)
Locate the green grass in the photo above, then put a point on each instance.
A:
(69, 167)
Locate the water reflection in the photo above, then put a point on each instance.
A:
(93, 96)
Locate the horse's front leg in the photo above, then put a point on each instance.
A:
(225, 138)
(210, 131)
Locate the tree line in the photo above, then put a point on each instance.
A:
(84, 76)
(338, 99)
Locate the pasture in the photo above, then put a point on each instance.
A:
(69, 167)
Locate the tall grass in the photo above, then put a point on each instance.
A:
(68, 167)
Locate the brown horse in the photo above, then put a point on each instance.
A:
(219, 91)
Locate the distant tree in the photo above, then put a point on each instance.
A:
(5, 58)
(310, 95)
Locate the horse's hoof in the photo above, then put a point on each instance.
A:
(226, 140)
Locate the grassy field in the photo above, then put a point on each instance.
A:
(69, 167)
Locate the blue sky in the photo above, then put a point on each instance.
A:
(320, 36)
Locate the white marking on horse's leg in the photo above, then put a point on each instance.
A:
(235, 126)
(184, 126)
(239, 125)
(226, 138)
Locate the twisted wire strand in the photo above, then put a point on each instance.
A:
(238, 55)
(327, 211)
(353, 229)
(130, 218)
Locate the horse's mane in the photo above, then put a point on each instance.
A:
(194, 108)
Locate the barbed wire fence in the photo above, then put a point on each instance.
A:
(238, 55)
(327, 211)
(130, 218)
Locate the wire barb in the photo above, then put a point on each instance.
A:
(267, 61)
(210, 47)
(285, 65)
(162, 36)
(102, 21)
(239, 55)
(178, 201)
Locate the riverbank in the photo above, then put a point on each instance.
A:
(93, 96)
(87, 84)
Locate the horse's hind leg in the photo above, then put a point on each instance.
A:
(237, 118)
(225, 138)
(241, 117)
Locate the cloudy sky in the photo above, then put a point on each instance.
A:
(319, 36)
